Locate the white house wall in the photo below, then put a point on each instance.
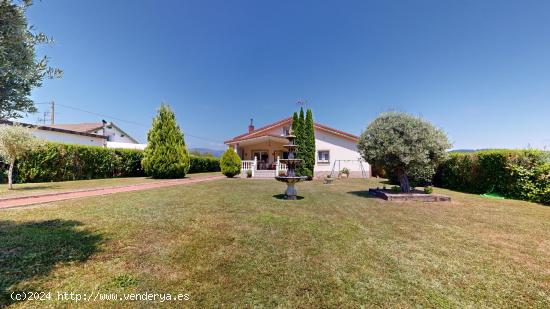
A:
(340, 148)
(61, 137)
(114, 135)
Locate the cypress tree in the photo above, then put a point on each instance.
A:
(309, 142)
(299, 131)
(165, 155)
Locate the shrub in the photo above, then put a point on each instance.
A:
(428, 189)
(202, 164)
(230, 163)
(165, 155)
(395, 189)
(518, 174)
(249, 173)
(61, 162)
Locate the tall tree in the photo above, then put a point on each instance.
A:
(20, 70)
(165, 155)
(309, 144)
(298, 126)
(403, 144)
(15, 141)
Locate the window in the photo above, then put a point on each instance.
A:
(323, 156)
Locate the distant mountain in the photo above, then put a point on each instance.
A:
(214, 152)
(464, 150)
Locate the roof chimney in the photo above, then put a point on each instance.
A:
(251, 126)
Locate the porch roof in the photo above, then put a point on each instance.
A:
(259, 139)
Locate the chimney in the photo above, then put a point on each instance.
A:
(251, 126)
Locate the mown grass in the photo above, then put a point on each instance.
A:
(27, 189)
(231, 243)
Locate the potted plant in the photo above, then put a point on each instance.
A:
(328, 179)
(345, 171)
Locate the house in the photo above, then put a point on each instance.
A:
(260, 150)
(115, 137)
(103, 133)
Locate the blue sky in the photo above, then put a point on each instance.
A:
(478, 69)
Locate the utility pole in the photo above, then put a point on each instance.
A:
(52, 113)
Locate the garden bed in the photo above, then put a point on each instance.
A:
(416, 195)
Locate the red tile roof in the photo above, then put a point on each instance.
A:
(79, 127)
(263, 131)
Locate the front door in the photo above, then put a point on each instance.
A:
(263, 159)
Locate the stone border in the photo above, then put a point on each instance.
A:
(404, 197)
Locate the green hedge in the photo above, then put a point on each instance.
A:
(204, 164)
(518, 174)
(61, 162)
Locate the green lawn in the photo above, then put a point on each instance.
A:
(231, 243)
(27, 189)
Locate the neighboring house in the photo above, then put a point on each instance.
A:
(92, 134)
(260, 149)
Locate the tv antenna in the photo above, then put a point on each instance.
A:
(301, 103)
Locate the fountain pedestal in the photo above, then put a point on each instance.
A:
(291, 179)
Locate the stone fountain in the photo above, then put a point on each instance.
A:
(291, 164)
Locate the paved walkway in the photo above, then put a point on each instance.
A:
(69, 195)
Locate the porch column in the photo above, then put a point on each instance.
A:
(255, 165)
(235, 147)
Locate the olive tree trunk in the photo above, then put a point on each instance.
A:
(404, 181)
(10, 175)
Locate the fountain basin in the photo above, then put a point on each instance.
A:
(290, 179)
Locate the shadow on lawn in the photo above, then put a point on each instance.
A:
(282, 197)
(17, 188)
(362, 194)
(32, 249)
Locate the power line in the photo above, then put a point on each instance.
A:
(128, 121)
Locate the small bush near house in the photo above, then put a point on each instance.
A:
(428, 189)
(517, 174)
(395, 189)
(249, 174)
(230, 163)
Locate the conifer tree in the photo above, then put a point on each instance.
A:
(298, 126)
(309, 144)
(165, 155)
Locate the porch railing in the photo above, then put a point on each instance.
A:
(252, 165)
(279, 167)
(249, 165)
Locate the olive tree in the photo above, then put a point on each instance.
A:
(403, 144)
(20, 69)
(15, 141)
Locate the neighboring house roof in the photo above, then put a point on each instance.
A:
(90, 127)
(79, 127)
(53, 129)
(287, 121)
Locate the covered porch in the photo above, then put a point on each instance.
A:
(261, 155)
